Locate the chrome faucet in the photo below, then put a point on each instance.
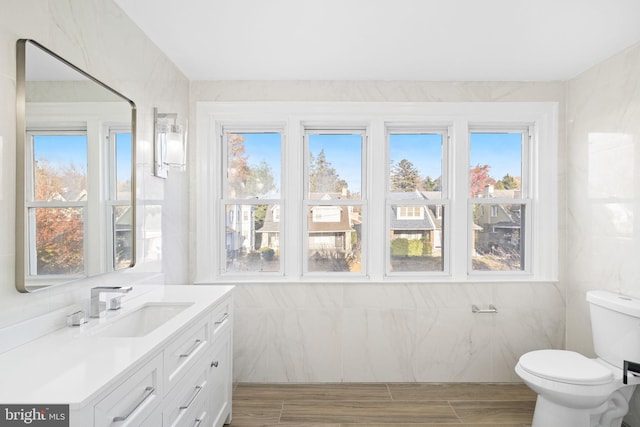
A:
(98, 307)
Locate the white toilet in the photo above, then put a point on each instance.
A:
(575, 391)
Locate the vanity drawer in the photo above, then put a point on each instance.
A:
(221, 316)
(182, 353)
(187, 403)
(133, 401)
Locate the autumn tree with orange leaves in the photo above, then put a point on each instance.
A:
(59, 231)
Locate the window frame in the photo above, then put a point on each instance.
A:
(458, 118)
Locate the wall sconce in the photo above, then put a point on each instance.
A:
(169, 143)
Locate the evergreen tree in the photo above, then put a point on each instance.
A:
(323, 178)
(404, 177)
(430, 184)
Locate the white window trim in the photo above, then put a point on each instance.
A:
(375, 117)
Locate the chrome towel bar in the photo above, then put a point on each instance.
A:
(491, 310)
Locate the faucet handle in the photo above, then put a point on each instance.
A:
(76, 319)
(114, 303)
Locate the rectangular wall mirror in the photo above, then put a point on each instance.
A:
(75, 173)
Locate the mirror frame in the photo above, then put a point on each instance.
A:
(21, 141)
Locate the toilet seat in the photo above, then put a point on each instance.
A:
(566, 367)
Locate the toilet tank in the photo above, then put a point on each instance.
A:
(615, 325)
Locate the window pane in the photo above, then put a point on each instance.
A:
(123, 237)
(416, 237)
(334, 238)
(496, 164)
(252, 238)
(415, 165)
(60, 167)
(498, 237)
(335, 166)
(59, 235)
(123, 166)
(253, 165)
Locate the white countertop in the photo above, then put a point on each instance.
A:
(71, 365)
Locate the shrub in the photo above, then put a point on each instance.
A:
(267, 253)
(399, 247)
(415, 247)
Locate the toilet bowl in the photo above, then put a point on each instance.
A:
(575, 391)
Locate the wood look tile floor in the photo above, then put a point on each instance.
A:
(383, 405)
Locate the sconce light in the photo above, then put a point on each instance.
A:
(169, 144)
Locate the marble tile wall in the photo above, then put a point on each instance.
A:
(603, 192)
(603, 187)
(318, 332)
(97, 37)
(391, 332)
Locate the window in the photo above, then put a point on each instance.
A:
(59, 195)
(447, 192)
(251, 201)
(415, 176)
(334, 200)
(496, 179)
(56, 203)
(119, 203)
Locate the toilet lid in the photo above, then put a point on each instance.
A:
(565, 366)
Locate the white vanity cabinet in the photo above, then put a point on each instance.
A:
(163, 359)
(186, 383)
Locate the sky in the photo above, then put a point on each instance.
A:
(62, 150)
(502, 151)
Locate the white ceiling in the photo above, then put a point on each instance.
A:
(459, 40)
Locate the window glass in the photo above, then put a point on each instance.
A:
(334, 228)
(60, 167)
(59, 238)
(415, 164)
(123, 166)
(334, 238)
(498, 242)
(335, 166)
(251, 225)
(415, 176)
(122, 236)
(416, 239)
(252, 238)
(253, 165)
(496, 164)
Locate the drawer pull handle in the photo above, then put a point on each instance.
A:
(195, 345)
(198, 389)
(147, 393)
(214, 364)
(222, 320)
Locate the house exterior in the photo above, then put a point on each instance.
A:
(239, 235)
(499, 225)
(417, 221)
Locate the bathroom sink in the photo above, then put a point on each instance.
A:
(143, 320)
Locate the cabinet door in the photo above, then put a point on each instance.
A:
(220, 379)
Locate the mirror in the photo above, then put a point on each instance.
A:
(75, 151)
